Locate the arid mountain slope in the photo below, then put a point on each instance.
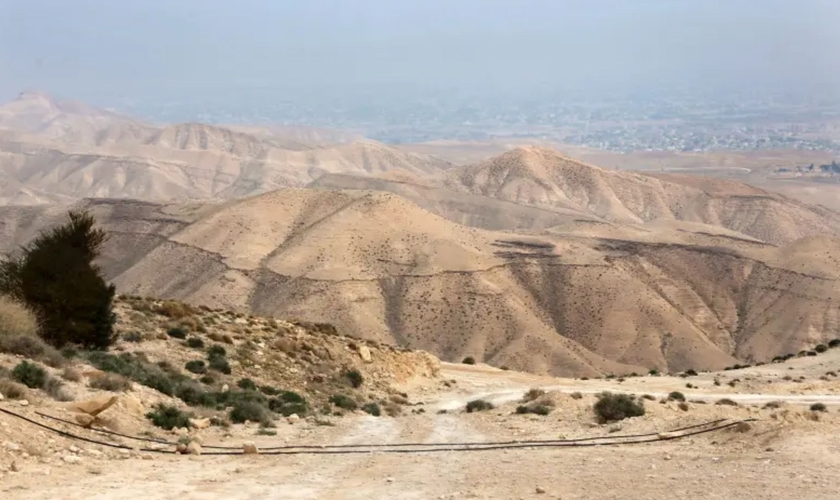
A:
(542, 177)
(582, 298)
(51, 149)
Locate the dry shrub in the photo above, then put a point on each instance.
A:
(16, 320)
(174, 310)
(392, 409)
(71, 374)
(111, 382)
(56, 389)
(532, 394)
(12, 390)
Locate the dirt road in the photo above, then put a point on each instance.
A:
(777, 459)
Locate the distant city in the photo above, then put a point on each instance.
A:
(660, 122)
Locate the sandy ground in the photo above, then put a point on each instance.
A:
(785, 455)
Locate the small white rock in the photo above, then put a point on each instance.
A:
(12, 446)
(71, 459)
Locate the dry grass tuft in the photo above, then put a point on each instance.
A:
(16, 319)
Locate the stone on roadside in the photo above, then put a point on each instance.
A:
(293, 418)
(94, 406)
(364, 353)
(194, 448)
(71, 459)
(249, 448)
(539, 490)
(200, 423)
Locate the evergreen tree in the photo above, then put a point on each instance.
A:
(56, 277)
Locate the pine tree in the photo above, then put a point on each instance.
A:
(56, 277)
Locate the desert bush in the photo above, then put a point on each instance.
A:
(196, 366)
(216, 351)
(30, 375)
(270, 391)
(654, 372)
(354, 377)
(111, 382)
(818, 407)
(168, 417)
(71, 374)
(576, 395)
(246, 384)
(773, 405)
(30, 346)
(16, 319)
(207, 379)
(479, 405)
(55, 277)
(174, 310)
(12, 390)
(56, 389)
(287, 408)
(615, 407)
(220, 364)
(177, 332)
(821, 348)
(537, 409)
(469, 360)
(811, 353)
(245, 410)
(676, 396)
(683, 406)
(726, 402)
(648, 397)
(691, 373)
(532, 394)
(132, 337)
(195, 343)
(834, 343)
(343, 402)
(372, 409)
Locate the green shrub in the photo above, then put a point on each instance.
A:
(250, 411)
(478, 405)
(615, 407)
(372, 409)
(343, 402)
(676, 396)
(176, 332)
(270, 391)
(111, 382)
(818, 407)
(821, 348)
(168, 417)
(285, 408)
(30, 375)
(132, 337)
(469, 360)
(216, 351)
(196, 366)
(292, 397)
(246, 384)
(691, 373)
(195, 343)
(654, 372)
(207, 379)
(56, 278)
(220, 364)
(537, 409)
(833, 343)
(354, 377)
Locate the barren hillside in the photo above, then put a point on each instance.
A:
(542, 177)
(586, 297)
(52, 150)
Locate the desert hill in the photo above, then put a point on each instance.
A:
(542, 177)
(582, 298)
(56, 150)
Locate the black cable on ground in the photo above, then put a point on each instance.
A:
(396, 445)
(449, 447)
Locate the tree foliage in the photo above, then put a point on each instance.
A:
(55, 276)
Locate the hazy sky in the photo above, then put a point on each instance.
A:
(141, 48)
